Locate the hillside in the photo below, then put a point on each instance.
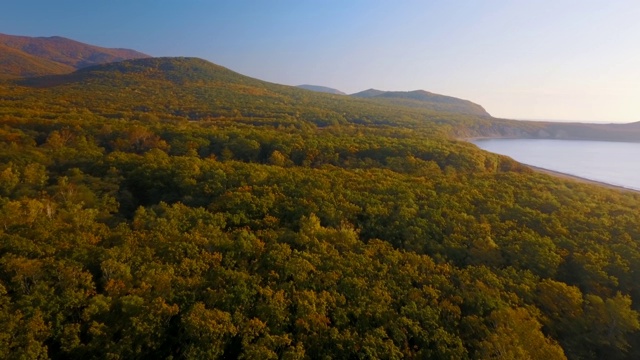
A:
(22, 56)
(323, 89)
(425, 99)
(15, 63)
(172, 208)
(214, 91)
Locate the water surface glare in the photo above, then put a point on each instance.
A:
(615, 163)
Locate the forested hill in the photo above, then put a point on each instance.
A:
(199, 90)
(158, 85)
(15, 63)
(23, 56)
(171, 208)
(421, 98)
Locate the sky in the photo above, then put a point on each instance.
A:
(545, 59)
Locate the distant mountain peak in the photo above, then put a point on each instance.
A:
(323, 89)
(425, 99)
(177, 70)
(24, 56)
(368, 93)
(172, 68)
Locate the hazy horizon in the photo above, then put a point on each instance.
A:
(526, 60)
(576, 121)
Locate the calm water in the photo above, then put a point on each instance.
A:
(614, 163)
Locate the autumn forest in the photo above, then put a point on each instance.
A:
(171, 208)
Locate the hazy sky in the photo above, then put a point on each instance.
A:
(543, 59)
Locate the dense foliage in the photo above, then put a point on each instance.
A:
(145, 215)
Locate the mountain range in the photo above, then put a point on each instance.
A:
(56, 61)
(24, 57)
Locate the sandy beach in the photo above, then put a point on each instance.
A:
(579, 179)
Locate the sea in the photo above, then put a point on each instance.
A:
(615, 163)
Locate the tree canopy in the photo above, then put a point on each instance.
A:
(175, 211)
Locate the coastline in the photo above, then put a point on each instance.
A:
(580, 179)
(554, 173)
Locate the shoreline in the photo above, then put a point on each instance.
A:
(566, 176)
(554, 173)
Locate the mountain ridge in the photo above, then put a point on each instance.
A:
(214, 82)
(423, 98)
(37, 56)
(15, 63)
(217, 92)
(179, 70)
